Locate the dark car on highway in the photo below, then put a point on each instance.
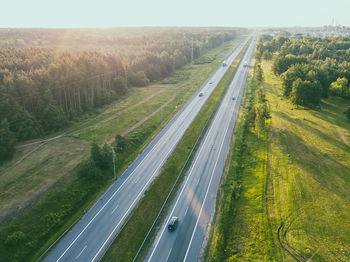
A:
(173, 223)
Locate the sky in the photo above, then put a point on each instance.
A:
(124, 13)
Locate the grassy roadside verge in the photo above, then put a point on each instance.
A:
(41, 230)
(285, 194)
(126, 245)
(241, 230)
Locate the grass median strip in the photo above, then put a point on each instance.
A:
(133, 234)
(241, 229)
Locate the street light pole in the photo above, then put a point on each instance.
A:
(115, 175)
(114, 157)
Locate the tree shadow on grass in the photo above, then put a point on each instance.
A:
(326, 170)
(334, 112)
(333, 177)
(305, 124)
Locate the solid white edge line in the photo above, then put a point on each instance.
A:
(141, 192)
(206, 193)
(184, 186)
(133, 203)
(157, 145)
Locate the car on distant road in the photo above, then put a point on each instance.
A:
(200, 94)
(233, 98)
(246, 64)
(173, 223)
(210, 83)
(224, 64)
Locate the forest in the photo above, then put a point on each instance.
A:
(311, 68)
(52, 77)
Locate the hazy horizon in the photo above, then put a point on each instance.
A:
(163, 13)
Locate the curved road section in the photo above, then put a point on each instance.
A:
(195, 202)
(90, 237)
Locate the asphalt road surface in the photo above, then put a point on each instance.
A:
(195, 202)
(89, 238)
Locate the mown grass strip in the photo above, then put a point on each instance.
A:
(136, 228)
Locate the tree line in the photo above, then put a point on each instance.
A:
(260, 112)
(44, 87)
(311, 68)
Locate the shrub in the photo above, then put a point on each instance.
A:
(138, 78)
(53, 118)
(251, 117)
(259, 74)
(121, 142)
(102, 157)
(53, 219)
(15, 238)
(267, 55)
(119, 85)
(88, 170)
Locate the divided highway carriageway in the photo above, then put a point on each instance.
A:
(89, 238)
(195, 202)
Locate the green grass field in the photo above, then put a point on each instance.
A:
(309, 183)
(28, 184)
(23, 183)
(286, 195)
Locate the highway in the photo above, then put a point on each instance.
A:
(89, 238)
(195, 202)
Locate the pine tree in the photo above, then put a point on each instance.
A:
(7, 141)
(259, 74)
